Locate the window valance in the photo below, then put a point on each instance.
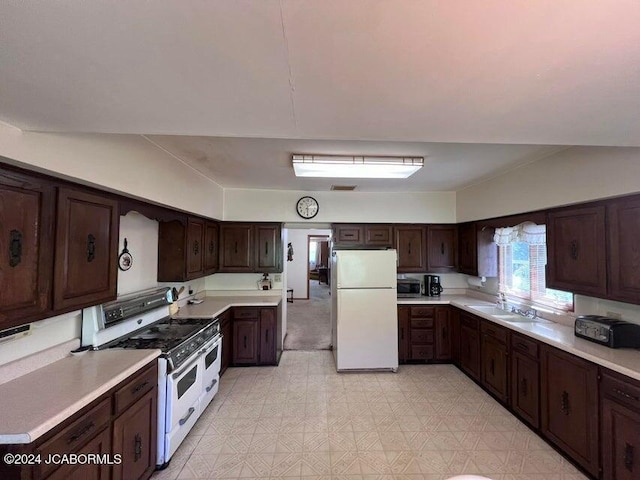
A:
(526, 232)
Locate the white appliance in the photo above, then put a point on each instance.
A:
(364, 313)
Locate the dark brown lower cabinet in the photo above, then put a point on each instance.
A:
(256, 336)
(100, 445)
(569, 404)
(443, 334)
(227, 340)
(470, 345)
(404, 313)
(495, 366)
(267, 354)
(245, 342)
(134, 437)
(620, 420)
(525, 379)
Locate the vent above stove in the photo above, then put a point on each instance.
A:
(343, 188)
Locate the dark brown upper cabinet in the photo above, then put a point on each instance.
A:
(378, 235)
(26, 242)
(363, 235)
(442, 248)
(348, 234)
(181, 249)
(477, 252)
(251, 247)
(211, 249)
(86, 251)
(576, 250)
(410, 245)
(623, 229)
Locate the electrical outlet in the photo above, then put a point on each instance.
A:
(616, 315)
(277, 277)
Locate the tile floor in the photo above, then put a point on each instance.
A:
(302, 420)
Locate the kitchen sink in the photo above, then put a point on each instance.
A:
(504, 315)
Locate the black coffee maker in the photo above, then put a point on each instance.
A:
(432, 287)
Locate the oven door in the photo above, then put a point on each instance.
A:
(211, 359)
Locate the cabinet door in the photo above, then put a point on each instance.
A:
(525, 388)
(443, 334)
(494, 367)
(576, 251)
(467, 259)
(623, 221)
(620, 441)
(442, 245)
(227, 341)
(378, 235)
(245, 342)
(100, 445)
(570, 406)
(195, 248)
(134, 437)
(455, 335)
(267, 336)
(470, 351)
(346, 234)
(210, 248)
(26, 257)
(86, 250)
(268, 248)
(236, 241)
(403, 333)
(411, 249)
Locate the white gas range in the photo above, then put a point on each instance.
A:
(189, 366)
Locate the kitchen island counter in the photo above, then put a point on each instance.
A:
(34, 403)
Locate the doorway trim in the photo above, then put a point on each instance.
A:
(309, 239)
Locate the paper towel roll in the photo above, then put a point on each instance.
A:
(476, 281)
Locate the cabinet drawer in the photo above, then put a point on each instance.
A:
(469, 321)
(421, 335)
(74, 436)
(622, 390)
(245, 312)
(422, 323)
(421, 352)
(524, 345)
(423, 311)
(346, 234)
(494, 331)
(136, 388)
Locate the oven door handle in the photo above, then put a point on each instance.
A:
(213, 384)
(184, 420)
(175, 375)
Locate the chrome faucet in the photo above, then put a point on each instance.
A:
(531, 313)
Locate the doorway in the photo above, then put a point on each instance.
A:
(309, 314)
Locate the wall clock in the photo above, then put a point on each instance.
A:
(307, 207)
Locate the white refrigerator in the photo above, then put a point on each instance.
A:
(364, 313)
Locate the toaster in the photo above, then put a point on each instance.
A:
(607, 331)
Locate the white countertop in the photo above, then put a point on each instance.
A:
(213, 306)
(34, 403)
(622, 360)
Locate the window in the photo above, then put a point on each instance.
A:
(522, 257)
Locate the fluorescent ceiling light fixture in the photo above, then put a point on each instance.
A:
(341, 166)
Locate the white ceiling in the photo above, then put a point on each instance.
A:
(410, 77)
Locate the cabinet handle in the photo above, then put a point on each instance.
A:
(628, 457)
(523, 387)
(266, 336)
(15, 248)
(80, 433)
(377, 235)
(245, 341)
(402, 333)
(266, 248)
(409, 248)
(196, 247)
(626, 395)
(573, 249)
(137, 448)
(442, 248)
(139, 387)
(564, 402)
(493, 367)
(349, 235)
(236, 248)
(91, 248)
(467, 248)
(186, 417)
(444, 333)
(211, 245)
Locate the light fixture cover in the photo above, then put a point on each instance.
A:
(341, 166)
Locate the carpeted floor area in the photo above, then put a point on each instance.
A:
(309, 321)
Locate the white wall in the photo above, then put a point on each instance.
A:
(575, 175)
(297, 269)
(280, 206)
(121, 163)
(142, 241)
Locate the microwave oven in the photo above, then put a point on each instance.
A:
(409, 287)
